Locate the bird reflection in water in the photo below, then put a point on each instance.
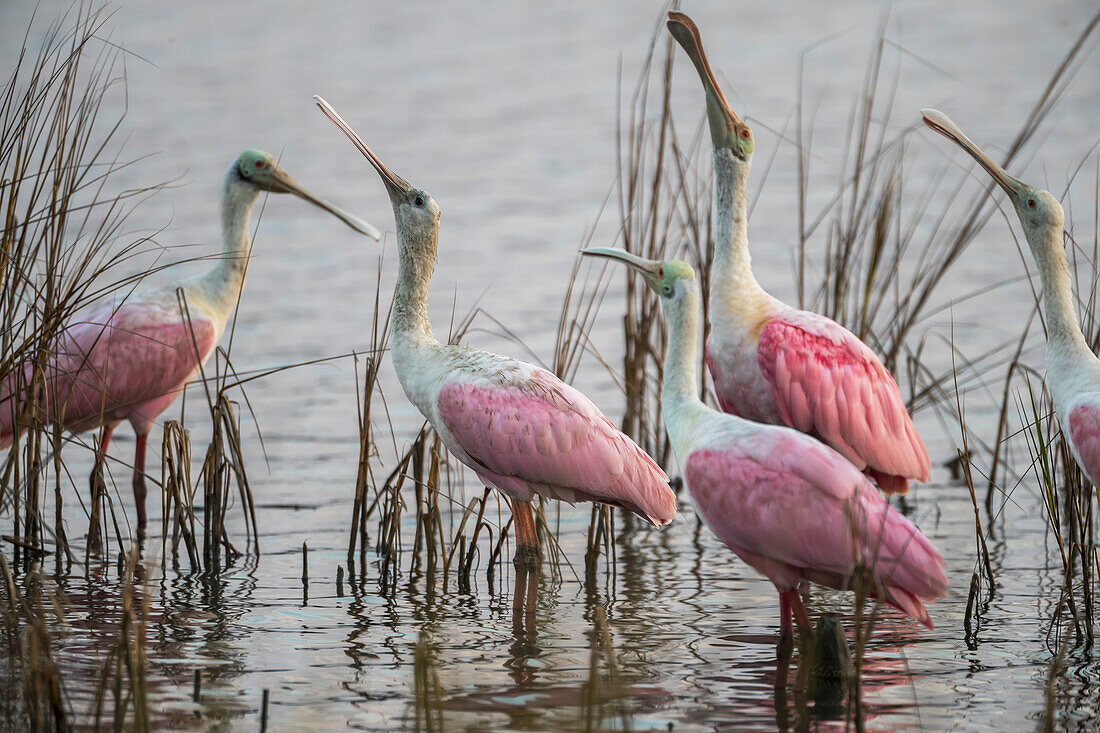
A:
(524, 629)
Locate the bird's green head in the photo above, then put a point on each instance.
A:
(260, 170)
(1038, 209)
(727, 130)
(663, 278)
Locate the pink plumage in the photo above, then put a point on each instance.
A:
(827, 383)
(794, 510)
(541, 436)
(1084, 433)
(116, 363)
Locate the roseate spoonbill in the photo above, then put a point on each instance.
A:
(787, 504)
(128, 358)
(522, 430)
(773, 363)
(1073, 371)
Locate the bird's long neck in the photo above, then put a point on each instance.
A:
(417, 255)
(731, 279)
(679, 389)
(223, 283)
(1063, 329)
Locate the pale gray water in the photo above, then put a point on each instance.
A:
(506, 114)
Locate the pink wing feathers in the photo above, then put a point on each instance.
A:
(545, 437)
(827, 383)
(115, 363)
(1084, 431)
(795, 510)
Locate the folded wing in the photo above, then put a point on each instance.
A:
(827, 383)
(794, 509)
(539, 435)
(111, 360)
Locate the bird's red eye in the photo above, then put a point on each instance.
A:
(745, 133)
(660, 272)
(1031, 203)
(260, 164)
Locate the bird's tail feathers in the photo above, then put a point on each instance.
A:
(908, 604)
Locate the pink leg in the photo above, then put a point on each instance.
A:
(527, 536)
(786, 642)
(139, 482)
(800, 614)
(101, 453)
(785, 613)
(786, 630)
(790, 605)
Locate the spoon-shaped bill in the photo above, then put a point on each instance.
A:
(943, 124)
(725, 125)
(649, 269)
(395, 185)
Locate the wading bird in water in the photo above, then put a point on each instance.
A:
(773, 363)
(788, 505)
(129, 358)
(1073, 371)
(522, 430)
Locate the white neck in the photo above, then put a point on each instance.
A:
(222, 285)
(731, 277)
(1063, 329)
(417, 255)
(680, 401)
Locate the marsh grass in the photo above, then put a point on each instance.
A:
(663, 201)
(661, 198)
(368, 446)
(222, 476)
(974, 606)
(63, 244)
(602, 689)
(881, 269)
(1029, 449)
(124, 671)
(875, 265)
(34, 624)
(1068, 503)
(428, 692)
(222, 470)
(424, 469)
(32, 695)
(62, 241)
(1067, 498)
(178, 495)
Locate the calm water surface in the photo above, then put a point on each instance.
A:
(506, 113)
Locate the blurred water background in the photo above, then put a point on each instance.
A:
(506, 113)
